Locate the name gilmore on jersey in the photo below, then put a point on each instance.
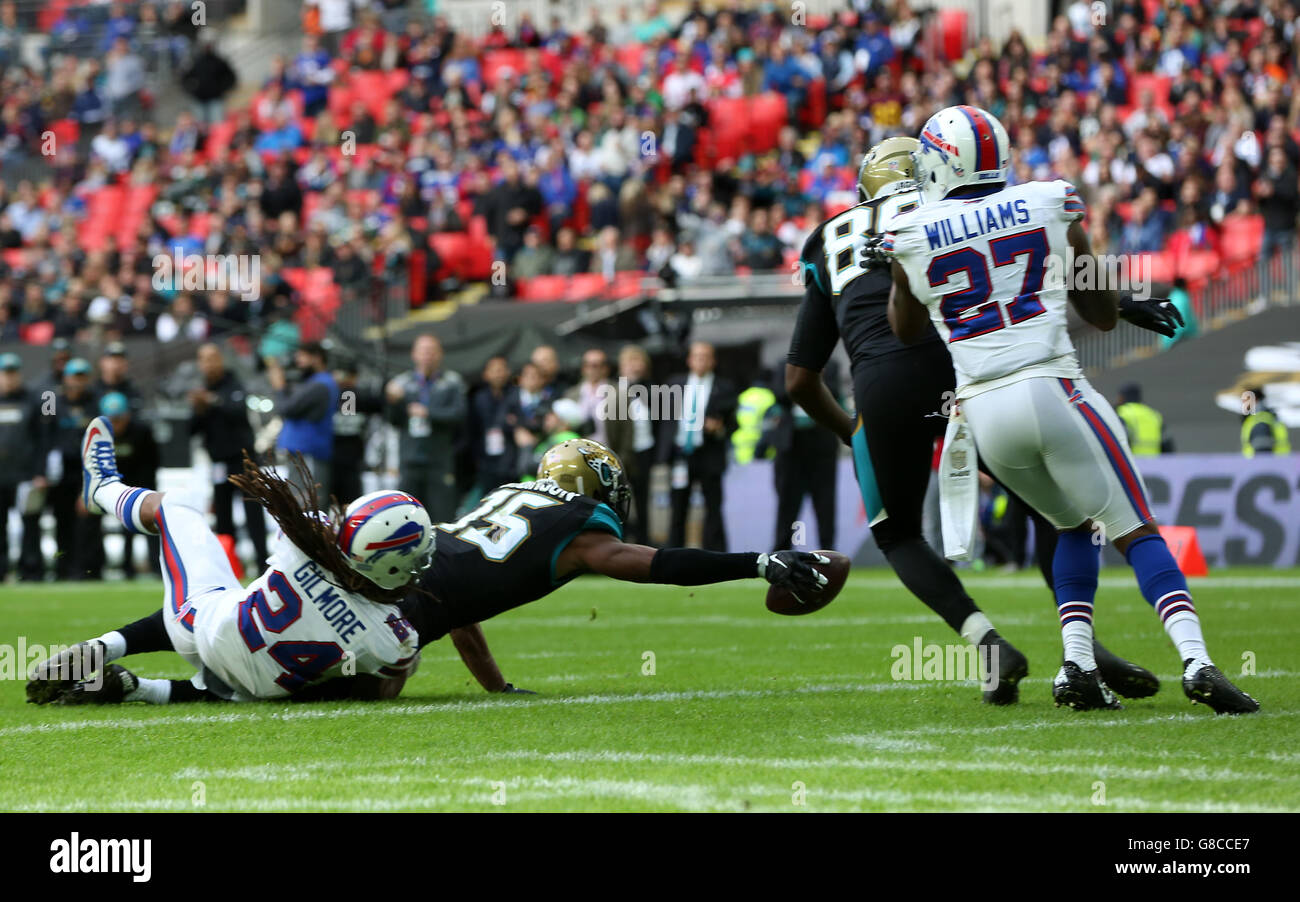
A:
(332, 607)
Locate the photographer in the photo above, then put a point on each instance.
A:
(307, 410)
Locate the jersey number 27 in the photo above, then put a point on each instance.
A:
(971, 311)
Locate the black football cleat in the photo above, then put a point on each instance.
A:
(1082, 690)
(1124, 677)
(1208, 686)
(111, 687)
(52, 677)
(1012, 668)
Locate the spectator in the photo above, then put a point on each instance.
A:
(76, 533)
(181, 321)
(357, 404)
(20, 463)
(137, 461)
(593, 394)
(548, 364)
(1279, 201)
(307, 411)
(697, 446)
(123, 79)
(534, 258)
(525, 405)
(492, 441)
(219, 417)
(762, 250)
(208, 79)
(114, 376)
(508, 207)
(428, 405)
(611, 255)
(569, 259)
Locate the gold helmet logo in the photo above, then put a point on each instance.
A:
(588, 468)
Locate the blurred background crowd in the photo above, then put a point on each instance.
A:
(386, 160)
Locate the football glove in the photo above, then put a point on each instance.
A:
(1154, 314)
(793, 570)
(870, 251)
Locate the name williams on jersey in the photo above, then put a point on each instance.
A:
(975, 223)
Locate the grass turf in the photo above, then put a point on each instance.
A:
(744, 711)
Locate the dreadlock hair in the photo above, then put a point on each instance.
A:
(294, 509)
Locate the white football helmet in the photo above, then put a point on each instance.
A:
(962, 145)
(388, 538)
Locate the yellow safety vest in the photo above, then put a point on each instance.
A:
(1145, 426)
(1281, 440)
(751, 406)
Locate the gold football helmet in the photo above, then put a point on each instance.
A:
(888, 168)
(588, 468)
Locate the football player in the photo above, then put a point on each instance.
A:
(326, 604)
(973, 262)
(901, 392)
(525, 540)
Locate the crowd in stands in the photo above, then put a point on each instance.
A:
(392, 148)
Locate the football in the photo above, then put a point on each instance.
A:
(783, 601)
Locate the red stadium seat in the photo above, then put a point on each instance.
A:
(453, 250)
(587, 285)
(220, 134)
(1157, 267)
(631, 57)
(14, 257)
(1243, 236)
(543, 288)
(41, 333)
(66, 133)
(952, 31)
(1158, 85)
(496, 61)
(1198, 264)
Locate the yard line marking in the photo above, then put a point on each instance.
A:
(487, 704)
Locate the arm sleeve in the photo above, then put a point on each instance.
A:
(1072, 208)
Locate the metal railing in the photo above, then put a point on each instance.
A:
(1217, 301)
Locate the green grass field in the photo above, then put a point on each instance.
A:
(745, 710)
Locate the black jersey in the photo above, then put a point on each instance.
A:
(841, 298)
(502, 554)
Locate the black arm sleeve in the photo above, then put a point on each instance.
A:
(695, 567)
(815, 332)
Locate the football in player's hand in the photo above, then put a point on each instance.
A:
(781, 600)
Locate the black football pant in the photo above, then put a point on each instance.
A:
(901, 400)
(223, 500)
(710, 483)
(808, 468)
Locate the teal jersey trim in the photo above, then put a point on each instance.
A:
(812, 268)
(866, 475)
(602, 518)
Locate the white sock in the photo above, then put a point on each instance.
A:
(1076, 633)
(1184, 629)
(124, 502)
(114, 646)
(976, 627)
(155, 692)
(1078, 644)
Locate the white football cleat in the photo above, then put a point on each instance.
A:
(98, 461)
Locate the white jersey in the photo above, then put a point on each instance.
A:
(989, 269)
(292, 626)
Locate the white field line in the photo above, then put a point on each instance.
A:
(305, 712)
(478, 792)
(1120, 580)
(412, 769)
